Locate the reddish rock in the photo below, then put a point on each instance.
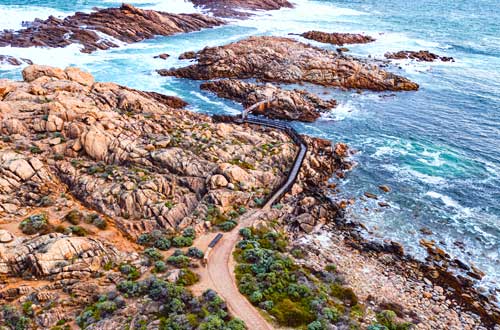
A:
(290, 105)
(421, 56)
(163, 56)
(187, 55)
(339, 39)
(288, 61)
(239, 8)
(126, 24)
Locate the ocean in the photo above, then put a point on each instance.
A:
(438, 149)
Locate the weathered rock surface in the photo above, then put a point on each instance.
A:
(125, 24)
(286, 60)
(127, 154)
(339, 39)
(286, 104)
(7, 59)
(54, 256)
(239, 8)
(421, 55)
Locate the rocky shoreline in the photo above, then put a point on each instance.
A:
(284, 60)
(105, 28)
(289, 105)
(88, 168)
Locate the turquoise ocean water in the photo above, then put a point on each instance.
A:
(438, 148)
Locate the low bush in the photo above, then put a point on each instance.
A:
(153, 254)
(196, 253)
(182, 241)
(35, 224)
(74, 217)
(187, 277)
(160, 266)
(129, 270)
(76, 230)
(180, 261)
(13, 319)
(290, 293)
(228, 225)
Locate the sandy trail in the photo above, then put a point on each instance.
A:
(219, 275)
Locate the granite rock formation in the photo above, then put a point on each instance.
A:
(286, 104)
(277, 59)
(421, 55)
(105, 28)
(239, 8)
(338, 39)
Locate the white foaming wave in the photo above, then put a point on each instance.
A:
(340, 112)
(14, 16)
(407, 174)
(430, 179)
(170, 6)
(305, 15)
(435, 158)
(382, 151)
(447, 201)
(59, 57)
(220, 104)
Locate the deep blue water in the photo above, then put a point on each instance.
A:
(438, 148)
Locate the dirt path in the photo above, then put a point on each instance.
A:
(219, 275)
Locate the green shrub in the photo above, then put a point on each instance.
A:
(194, 252)
(74, 217)
(129, 270)
(76, 230)
(153, 254)
(387, 320)
(162, 243)
(144, 239)
(189, 232)
(182, 241)
(160, 266)
(246, 233)
(331, 268)
(345, 294)
(96, 220)
(179, 261)
(14, 319)
(35, 224)
(291, 314)
(228, 225)
(28, 308)
(187, 277)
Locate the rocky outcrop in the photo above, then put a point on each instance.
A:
(239, 8)
(421, 55)
(54, 256)
(105, 28)
(286, 104)
(130, 155)
(286, 60)
(7, 59)
(339, 39)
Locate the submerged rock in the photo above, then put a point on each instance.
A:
(7, 59)
(239, 8)
(338, 39)
(421, 55)
(286, 60)
(124, 24)
(286, 104)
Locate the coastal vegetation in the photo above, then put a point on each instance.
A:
(293, 295)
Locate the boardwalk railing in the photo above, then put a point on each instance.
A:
(290, 131)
